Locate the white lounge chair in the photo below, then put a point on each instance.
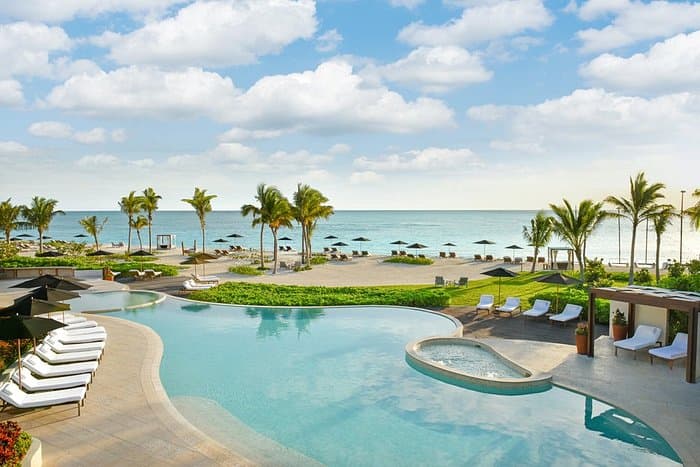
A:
(206, 279)
(39, 367)
(137, 275)
(60, 347)
(676, 351)
(65, 318)
(30, 383)
(80, 325)
(645, 336)
(12, 394)
(192, 285)
(49, 356)
(569, 313)
(152, 274)
(82, 338)
(510, 306)
(78, 331)
(539, 309)
(485, 303)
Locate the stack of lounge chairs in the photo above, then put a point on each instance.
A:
(61, 368)
(198, 282)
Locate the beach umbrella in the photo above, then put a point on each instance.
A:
(46, 237)
(99, 253)
(15, 239)
(47, 293)
(285, 239)
(220, 240)
(485, 242)
(399, 242)
(141, 253)
(361, 239)
(54, 282)
(80, 236)
(416, 247)
(48, 254)
(195, 260)
(330, 237)
(558, 279)
(500, 273)
(449, 245)
(28, 305)
(25, 235)
(234, 235)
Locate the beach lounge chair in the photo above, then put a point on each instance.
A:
(32, 384)
(478, 258)
(530, 259)
(488, 258)
(394, 253)
(288, 248)
(507, 259)
(676, 351)
(645, 336)
(192, 285)
(65, 318)
(59, 347)
(518, 260)
(539, 309)
(540, 260)
(334, 250)
(49, 356)
(80, 325)
(365, 253)
(344, 257)
(443, 254)
(569, 313)
(68, 331)
(402, 252)
(410, 255)
(355, 253)
(485, 303)
(334, 257)
(205, 279)
(511, 305)
(13, 395)
(462, 282)
(136, 274)
(421, 256)
(439, 281)
(79, 338)
(39, 367)
(151, 274)
(452, 254)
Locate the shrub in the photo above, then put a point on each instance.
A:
(694, 266)
(642, 277)
(596, 275)
(581, 329)
(14, 444)
(619, 318)
(576, 296)
(245, 270)
(7, 250)
(676, 269)
(409, 260)
(619, 276)
(316, 260)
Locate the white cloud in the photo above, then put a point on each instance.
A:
(51, 129)
(437, 69)
(241, 134)
(594, 9)
(339, 148)
(216, 33)
(64, 10)
(143, 163)
(638, 21)
(424, 160)
(25, 48)
(146, 91)
(98, 160)
(410, 4)
(365, 176)
(669, 66)
(481, 23)
(11, 93)
(527, 147)
(333, 99)
(63, 68)
(12, 148)
(94, 136)
(328, 41)
(118, 135)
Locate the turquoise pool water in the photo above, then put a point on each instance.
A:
(469, 359)
(113, 300)
(333, 385)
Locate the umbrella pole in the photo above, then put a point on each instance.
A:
(499, 290)
(19, 363)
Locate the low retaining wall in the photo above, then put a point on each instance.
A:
(22, 273)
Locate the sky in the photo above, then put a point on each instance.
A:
(380, 104)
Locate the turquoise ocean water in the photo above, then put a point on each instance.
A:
(431, 228)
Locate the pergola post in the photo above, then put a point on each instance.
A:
(591, 323)
(631, 318)
(691, 362)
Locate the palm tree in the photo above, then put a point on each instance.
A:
(640, 206)
(278, 213)
(694, 211)
(309, 207)
(9, 218)
(575, 224)
(539, 234)
(201, 202)
(662, 219)
(130, 205)
(39, 215)
(93, 228)
(260, 218)
(139, 223)
(150, 205)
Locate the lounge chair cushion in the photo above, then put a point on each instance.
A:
(510, 306)
(485, 303)
(677, 349)
(43, 369)
(13, 394)
(30, 383)
(570, 312)
(644, 336)
(539, 308)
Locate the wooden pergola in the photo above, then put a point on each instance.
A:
(687, 302)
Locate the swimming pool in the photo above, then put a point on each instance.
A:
(332, 385)
(114, 300)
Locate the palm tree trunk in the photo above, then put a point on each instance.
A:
(138, 235)
(534, 259)
(97, 245)
(203, 247)
(150, 221)
(634, 240)
(658, 253)
(274, 254)
(7, 236)
(308, 247)
(128, 242)
(262, 253)
(581, 266)
(303, 243)
(41, 240)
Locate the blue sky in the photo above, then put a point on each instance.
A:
(383, 104)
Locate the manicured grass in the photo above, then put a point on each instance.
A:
(409, 260)
(246, 270)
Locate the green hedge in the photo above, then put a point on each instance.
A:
(575, 296)
(81, 263)
(166, 270)
(409, 260)
(288, 295)
(246, 270)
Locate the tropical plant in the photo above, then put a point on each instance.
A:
(260, 217)
(309, 207)
(150, 205)
(201, 202)
(661, 219)
(9, 218)
(279, 213)
(39, 215)
(137, 224)
(575, 224)
(640, 206)
(694, 211)
(539, 234)
(93, 227)
(130, 205)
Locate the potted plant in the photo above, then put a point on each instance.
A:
(582, 339)
(619, 326)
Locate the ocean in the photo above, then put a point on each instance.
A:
(431, 228)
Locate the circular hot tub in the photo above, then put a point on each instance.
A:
(473, 364)
(100, 302)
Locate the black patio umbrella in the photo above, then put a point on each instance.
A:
(339, 244)
(514, 247)
(220, 240)
(25, 235)
(499, 272)
(361, 239)
(80, 236)
(54, 282)
(558, 279)
(398, 242)
(285, 239)
(449, 245)
(485, 242)
(49, 254)
(47, 293)
(141, 253)
(195, 260)
(27, 305)
(25, 327)
(330, 237)
(15, 239)
(99, 253)
(46, 237)
(416, 246)
(234, 235)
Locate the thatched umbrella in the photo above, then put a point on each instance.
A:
(234, 235)
(197, 260)
(330, 237)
